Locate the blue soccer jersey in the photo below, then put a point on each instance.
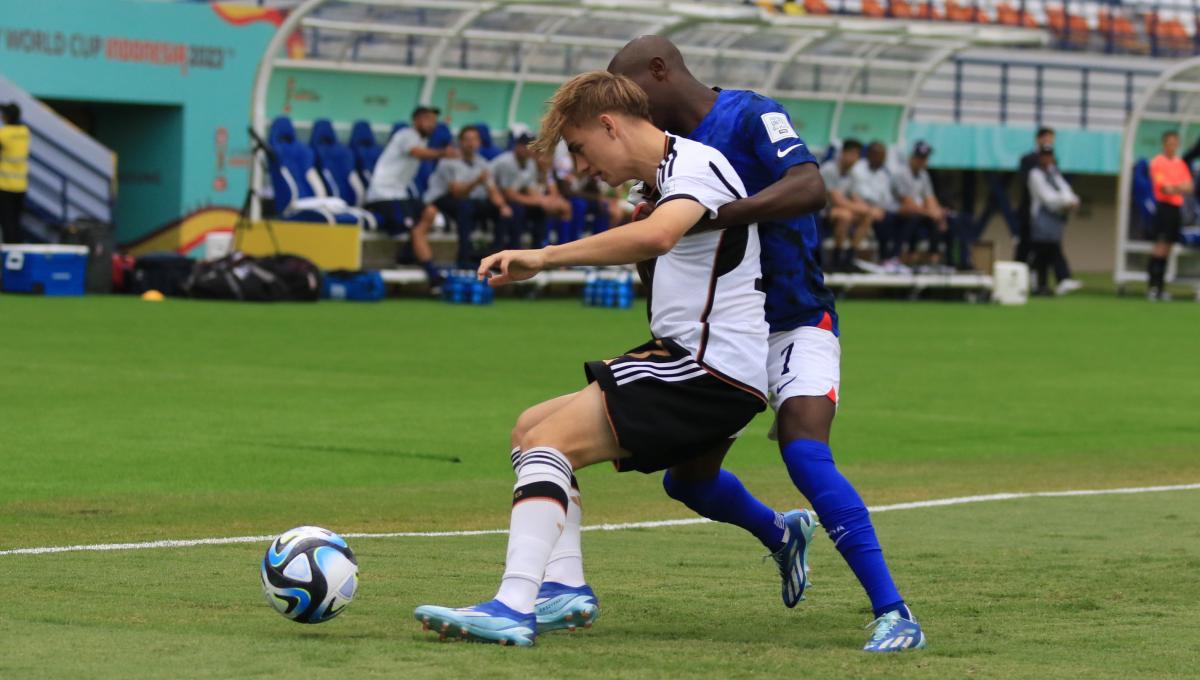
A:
(756, 135)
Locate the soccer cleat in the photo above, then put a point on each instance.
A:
(894, 633)
(559, 606)
(792, 558)
(491, 621)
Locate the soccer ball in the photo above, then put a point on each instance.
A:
(309, 574)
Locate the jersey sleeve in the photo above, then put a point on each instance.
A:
(407, 140)
(700, 178)
(776, 143)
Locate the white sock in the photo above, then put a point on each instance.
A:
(566, 560)
(538, 515)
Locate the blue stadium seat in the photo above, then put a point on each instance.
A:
(336, 163)
(440, 139)
(487, 148)
(1143, 195)
(366, 149)
(299, 193)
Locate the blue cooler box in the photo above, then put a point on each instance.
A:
(44, 269)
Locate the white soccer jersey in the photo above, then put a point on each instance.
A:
(705, 292)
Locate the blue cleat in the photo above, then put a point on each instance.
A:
(792, 558)
(894, 633)
(491, 621)
(559, 606)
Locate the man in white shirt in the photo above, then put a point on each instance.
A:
(1051, 203)
(462, 189)
(392, 195)
(527, 187)
(872, 182)
(917, 205)
(848, 214)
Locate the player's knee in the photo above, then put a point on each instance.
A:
(806, 418)
(524, 424)
(539, 436)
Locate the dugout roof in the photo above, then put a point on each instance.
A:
(822, 58)
(819, 61)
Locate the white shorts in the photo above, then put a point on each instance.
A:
(805, 362)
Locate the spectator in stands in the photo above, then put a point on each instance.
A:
(1024, 248)
(461, 189)
(1172, 180)
(391, 194)
(555, 205)
(918, 206)
(848, 214)
(872, 182)
(588, 197)
(1051, 201)
(14, 172)
(523, 184)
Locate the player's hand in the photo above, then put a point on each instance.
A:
(505, 212)
(508, 266)
(484, 176)
(450, 152)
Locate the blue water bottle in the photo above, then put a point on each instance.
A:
(625, 292)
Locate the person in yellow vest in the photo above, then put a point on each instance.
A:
(14, 172)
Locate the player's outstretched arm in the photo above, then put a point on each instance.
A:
(799, 192)
(626, 244)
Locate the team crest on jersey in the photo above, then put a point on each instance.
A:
(778, 126)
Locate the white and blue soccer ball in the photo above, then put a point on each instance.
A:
(309, 574)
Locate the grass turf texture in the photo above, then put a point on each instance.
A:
(131, 421)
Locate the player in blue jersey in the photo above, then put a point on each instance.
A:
(785, 191)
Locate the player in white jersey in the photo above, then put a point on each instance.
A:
(698, 382)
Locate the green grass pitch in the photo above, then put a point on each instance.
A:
(129, 421)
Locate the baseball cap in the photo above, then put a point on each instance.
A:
(522, 138)
(421, 108)
(922, 149)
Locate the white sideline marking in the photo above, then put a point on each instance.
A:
(935, 503)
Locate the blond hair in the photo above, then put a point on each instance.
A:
(586, 96)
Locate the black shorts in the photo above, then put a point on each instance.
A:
(396, 217)
(1168, 220)
(665, 409)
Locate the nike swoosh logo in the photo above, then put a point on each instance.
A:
(781, 154)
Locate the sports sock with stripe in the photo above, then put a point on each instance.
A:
(539, 512)
(724, 499)
(566, 560)
(845, 518)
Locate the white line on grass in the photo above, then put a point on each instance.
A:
(935, 503)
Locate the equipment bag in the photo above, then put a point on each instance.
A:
(241, 277)
(165, 272)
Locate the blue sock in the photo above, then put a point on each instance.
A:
(724, 499)
(845, 518)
